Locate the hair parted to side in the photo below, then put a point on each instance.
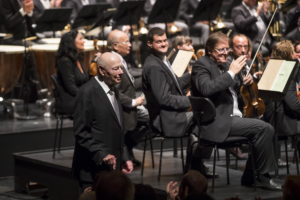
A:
(283, 50)
(154, 31)
(213, 40)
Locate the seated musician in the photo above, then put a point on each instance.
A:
(70, 71)
(213, 78)
(288, 110)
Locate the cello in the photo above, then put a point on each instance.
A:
(254, 106)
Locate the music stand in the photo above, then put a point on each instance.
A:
(207, 10)
(53, 19)
(103, 19)
(88, 14)
(274, 84)
(129, 13)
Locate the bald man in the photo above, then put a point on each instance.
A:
(133, 109)
(98, 124)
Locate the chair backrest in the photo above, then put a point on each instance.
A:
(60, 95)
(203, 109)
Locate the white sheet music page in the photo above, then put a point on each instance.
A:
(181, 62)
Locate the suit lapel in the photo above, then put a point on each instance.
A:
(170, 74)
(106, 101)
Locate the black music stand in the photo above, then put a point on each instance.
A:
(277, 96)
(164, 12)
(53, 19)
(104, 19)
(129, 13)
(88, 14)
(207, 10)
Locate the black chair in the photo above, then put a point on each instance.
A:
(294, 139)
(60, 113)
(204, 113)
(162, 138)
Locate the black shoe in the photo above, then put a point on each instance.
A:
(268, 183)
(261, 182)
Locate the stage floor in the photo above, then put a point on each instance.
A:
(171, 170)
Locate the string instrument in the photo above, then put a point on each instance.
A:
(254, 106)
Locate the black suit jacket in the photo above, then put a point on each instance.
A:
(244, 22)
(165, 100)
(127, 94)
(209, 81)
(15, 23)
(70, 79)
(97, 132)
(294, 35)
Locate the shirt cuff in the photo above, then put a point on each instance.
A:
(23, 13)
(133, 103)
(231, 74)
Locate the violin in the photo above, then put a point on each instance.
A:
(254, 106)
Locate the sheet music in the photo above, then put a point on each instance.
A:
(276, 75)
(181, 62)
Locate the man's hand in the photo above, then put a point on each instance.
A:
(139, 100)
(127, 167)
(247, 80)
(236, 65)
(110, 160)
(27, 6)
(172, 189)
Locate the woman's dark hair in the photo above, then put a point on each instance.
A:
(67, 46)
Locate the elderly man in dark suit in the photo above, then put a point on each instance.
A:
(18, 17)
(133, 109)
(98, 124)
(218, 81)
(252, 20)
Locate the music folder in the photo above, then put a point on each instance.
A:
(89, 14)
(276, 78)
(53, 19)
(181, 62)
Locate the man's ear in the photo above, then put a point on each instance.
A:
(149, 44)
(101, 70)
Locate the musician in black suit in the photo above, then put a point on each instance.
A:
(166, 103)
(71, 73)
(214, 79)
(18, 18)
(98, 124)
(294, 35)
(252, 20)
(133, 109)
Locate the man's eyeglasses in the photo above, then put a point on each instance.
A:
(223, 50)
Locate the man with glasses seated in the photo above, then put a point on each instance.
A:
(214, 78)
